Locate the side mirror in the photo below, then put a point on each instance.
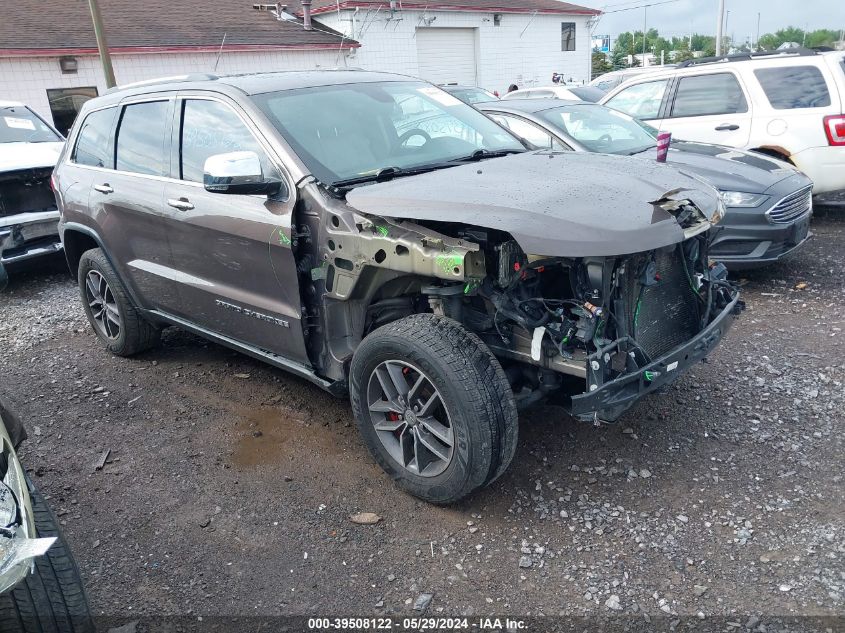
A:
(239, 173)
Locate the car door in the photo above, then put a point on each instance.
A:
(237, 273)
(128, 202)
(710, 107)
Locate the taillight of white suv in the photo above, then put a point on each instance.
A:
(834, 127)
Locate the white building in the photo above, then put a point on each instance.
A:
(49, 58)
(487, 43)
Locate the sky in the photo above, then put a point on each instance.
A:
(679, 16)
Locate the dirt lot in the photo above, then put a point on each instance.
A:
(229, 484)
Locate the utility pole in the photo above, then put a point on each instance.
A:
(645, 23)
(100, 33)
(758, 31)
(719, 27)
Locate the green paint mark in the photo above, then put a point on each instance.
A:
(382, 230)
(448, 262)
(284, 240)
(471, 285)
(649, 375)
(637, 313)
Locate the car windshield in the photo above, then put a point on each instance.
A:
(18, 124)
(601, 129)
(358, 131)
(471, 95)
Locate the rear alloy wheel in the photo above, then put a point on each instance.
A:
(104, 311)
(433, 406)
(116, 321)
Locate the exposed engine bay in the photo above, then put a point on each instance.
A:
(591, 318)
(559, 325)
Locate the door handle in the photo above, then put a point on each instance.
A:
(727, 127)
(182, 204)
(104, 188)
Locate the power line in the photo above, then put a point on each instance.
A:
(640, 6)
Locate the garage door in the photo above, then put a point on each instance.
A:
(447, 55)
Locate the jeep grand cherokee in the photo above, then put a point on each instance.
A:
(378, 236)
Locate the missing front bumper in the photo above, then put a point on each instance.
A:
(611, 399)
(26, 236)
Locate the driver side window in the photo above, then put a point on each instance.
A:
(209, 128)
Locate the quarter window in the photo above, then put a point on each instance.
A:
(791, 87)
(209, 128)
(708, 94)
(92, 143)
(567, 36)
(141, 138)
(641, 101)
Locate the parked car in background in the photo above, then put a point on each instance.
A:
(469, 94)
(608, 81)
(788, 104)
(40, 587)
(769, 202)
(441, 277)
(29, 217)
(572, 93)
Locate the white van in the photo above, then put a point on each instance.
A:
(788, 104)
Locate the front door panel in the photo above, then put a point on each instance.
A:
(236, 268)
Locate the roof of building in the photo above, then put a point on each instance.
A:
(477, 6)
(35, 27)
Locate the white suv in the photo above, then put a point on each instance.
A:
(787, 104)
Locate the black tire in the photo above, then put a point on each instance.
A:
(473, 388)
(136, 334)
(51, 600)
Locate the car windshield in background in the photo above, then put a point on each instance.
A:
(601, 129)
(18, 124)
(470, 95)
(355, 131)
(587, 93)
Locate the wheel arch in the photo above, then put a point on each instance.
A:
(775, 151)
(78, 238)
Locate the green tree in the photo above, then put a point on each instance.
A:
(771, 41)
(600, 63)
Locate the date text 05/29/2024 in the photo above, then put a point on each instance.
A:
(416, 624)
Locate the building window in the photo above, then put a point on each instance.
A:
(567, 33)
(65, 104)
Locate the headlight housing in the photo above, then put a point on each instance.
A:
(742, 199)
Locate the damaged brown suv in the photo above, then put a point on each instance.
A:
(377, 236)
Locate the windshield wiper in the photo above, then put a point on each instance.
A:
(640, 151)
(386, 173)
(481, 154)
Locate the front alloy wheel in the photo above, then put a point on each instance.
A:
(103, 305)
(434, 407)
(410, 418)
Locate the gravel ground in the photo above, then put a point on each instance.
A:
(228, 485)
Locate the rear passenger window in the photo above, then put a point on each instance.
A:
(209, 128)
(708, 94)
(794, 87)
(141, 138)
(92, 143)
